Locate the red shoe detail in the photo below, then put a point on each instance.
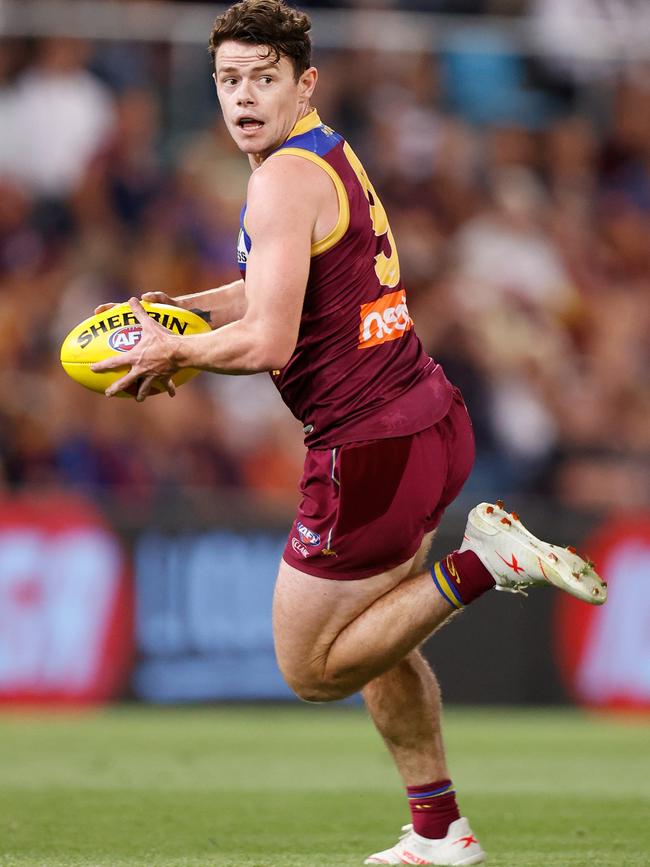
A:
(571, 548)
(541, 566)
(499, 504)
(466, 840)
(490, 509)
(516, 568)
(413, 859)
(506, 521)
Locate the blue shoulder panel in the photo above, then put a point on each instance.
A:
(319, 140)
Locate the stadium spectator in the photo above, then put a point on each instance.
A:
(161, 218)
(61, 116)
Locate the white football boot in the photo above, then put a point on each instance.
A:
(517, 560)
(459, 847)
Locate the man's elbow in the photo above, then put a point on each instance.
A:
(272, 356)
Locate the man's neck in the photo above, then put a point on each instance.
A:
(256, 160)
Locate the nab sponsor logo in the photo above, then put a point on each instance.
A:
(309, 537)
(299, 547)
(125, 338)
(385, 319)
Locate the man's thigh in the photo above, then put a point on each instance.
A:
(310, 612)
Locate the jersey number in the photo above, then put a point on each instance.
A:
(386, 267)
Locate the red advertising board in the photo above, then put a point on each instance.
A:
(604, 653)
(66, 609)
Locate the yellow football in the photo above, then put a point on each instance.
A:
(116, 330)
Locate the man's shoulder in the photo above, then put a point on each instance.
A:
(292, 174)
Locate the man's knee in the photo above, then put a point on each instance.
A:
(317, 686)
(316, 692)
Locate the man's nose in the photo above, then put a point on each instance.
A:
(244, 95)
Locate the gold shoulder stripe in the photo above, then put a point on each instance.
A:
(310, 121)
(343, 221)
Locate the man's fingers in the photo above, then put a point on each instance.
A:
(152, 297)
(162, 382)
(144, 387)
(159, 298)
(136, 376)
(147, 322)
(112, 363)
(140, 313)
(121, 384)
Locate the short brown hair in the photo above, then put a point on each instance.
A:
(269, 23)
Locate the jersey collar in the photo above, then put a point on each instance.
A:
(306, 123)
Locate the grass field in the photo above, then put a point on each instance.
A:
(281, 787)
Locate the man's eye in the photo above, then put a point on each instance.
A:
(266, 79)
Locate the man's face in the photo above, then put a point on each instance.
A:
(259, 96)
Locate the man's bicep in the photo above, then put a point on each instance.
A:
(277, 269)
(276, 278)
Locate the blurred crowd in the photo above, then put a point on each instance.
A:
(520, 201)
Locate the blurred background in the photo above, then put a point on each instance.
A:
(510, 143)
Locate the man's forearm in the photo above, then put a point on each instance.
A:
(241, 347)
(225, 304)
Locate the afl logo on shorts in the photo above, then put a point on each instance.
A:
(125, 338)
(309, 537)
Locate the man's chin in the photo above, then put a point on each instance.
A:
(250, 145)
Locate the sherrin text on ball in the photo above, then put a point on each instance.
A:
(115, 331)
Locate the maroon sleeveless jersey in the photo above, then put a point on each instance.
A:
(358, 371)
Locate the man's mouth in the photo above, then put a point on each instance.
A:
(250, 124)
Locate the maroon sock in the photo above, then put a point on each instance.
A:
(460, 578)
(433, 808)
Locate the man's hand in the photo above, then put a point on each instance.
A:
(151, 360)
(162, 298)
(151, 297)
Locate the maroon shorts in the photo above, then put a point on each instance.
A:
(366, 506)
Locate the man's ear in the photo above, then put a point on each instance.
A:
(307, 82)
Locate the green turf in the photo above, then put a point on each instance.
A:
(269, 787)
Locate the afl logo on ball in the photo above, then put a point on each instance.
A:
(309, 537)
(125, 338)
